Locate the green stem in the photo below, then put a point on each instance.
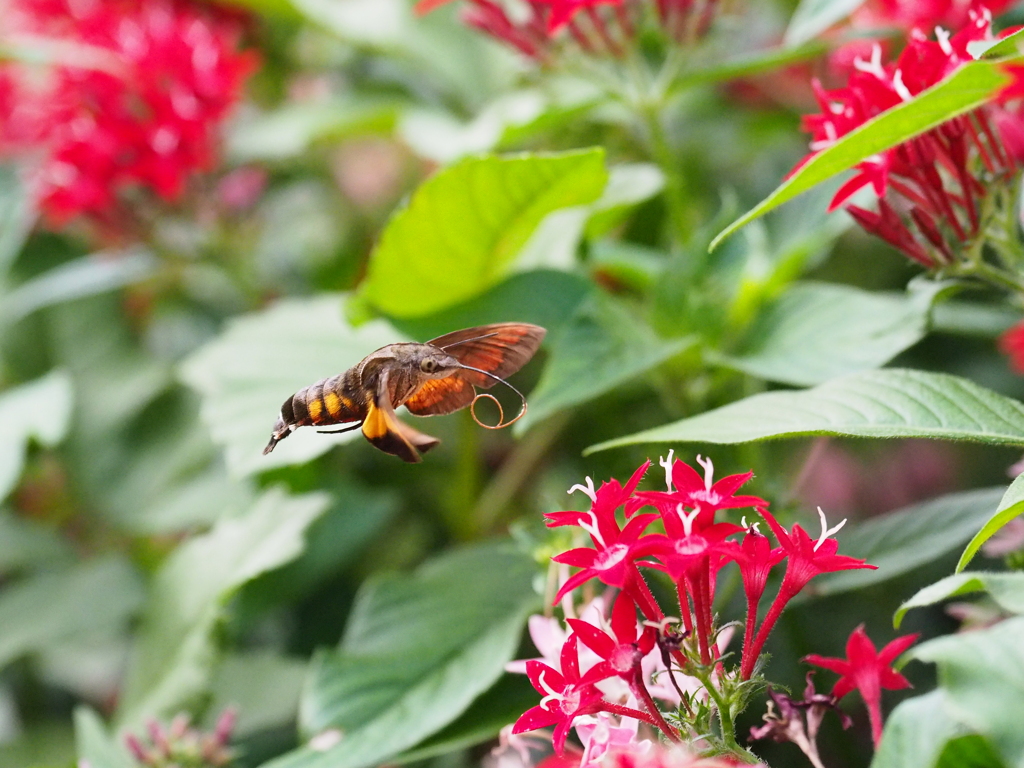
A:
(676, 193)
(724, 713)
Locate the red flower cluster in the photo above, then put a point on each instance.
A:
(692, 550)
(920, 14)
(930, 189)
(147, 116)
(598, 32)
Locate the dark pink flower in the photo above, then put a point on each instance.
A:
(623, 650)
(1011, 344)
(565, 696)
(756, 558)
(806, 558)
(600, 521)
(868, 671)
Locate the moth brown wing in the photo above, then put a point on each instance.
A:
(501, 349)
(439, 396)
(383, 429)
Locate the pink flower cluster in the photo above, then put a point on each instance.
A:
(142, 113)
(930, 189)
(682, 539)
(537, 29)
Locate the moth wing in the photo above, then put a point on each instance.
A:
(383, 429)
(501, 349)
(440, 396)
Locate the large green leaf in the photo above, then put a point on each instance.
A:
(818, 331)
(982, 673)
(968, 88)
(416, 653)
(245, 374)
(903, 540)
(176, 652)
(39, 410)
(603, 347)
(916, 732)
(26, 543)
(1011, 505)
(464, 227)
(887, 403)
(98, 595)
(1006, 589)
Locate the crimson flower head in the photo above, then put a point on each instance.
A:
(565, 696)
(805, 559)
(702, 494)
(599, 521)
(930, 189)
(868, 671)
(622, 650)
(148, 118)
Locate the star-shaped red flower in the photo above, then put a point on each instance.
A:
(868, 671)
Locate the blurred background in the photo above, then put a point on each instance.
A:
(191, 194)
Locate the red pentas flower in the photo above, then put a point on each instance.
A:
(147, 119)
(868, 671)
(755, 558)
(805, 559)
(930, 189)
(1011, 344)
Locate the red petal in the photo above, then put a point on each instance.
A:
(534, 718)
(624, 620)
(592, 637)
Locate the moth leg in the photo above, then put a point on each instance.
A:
(339, 431)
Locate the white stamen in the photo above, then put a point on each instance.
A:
(825, 530)
(591, 528)
(942, 38)
(588, 489)
(553, 695)
(901, 89)
(749, 526)
(667, 464)
(874, 66)
(709, 472)
(687, 518)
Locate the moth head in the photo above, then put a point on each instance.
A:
(437, 364)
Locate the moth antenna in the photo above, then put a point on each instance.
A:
(501, 411)
(466, 341)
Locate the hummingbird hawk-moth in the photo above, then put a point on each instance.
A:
(429, 379)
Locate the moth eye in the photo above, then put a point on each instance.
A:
(428, 365)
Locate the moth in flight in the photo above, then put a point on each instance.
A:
(440, 376)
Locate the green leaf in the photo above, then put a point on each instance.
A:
(1006, 589)
(418, 650)
(812, 17)
(982, 673)
(176, 652)
(887, 403)
(968, 88)
(16, 217)
(262, 686)
(96, 747)
(493, 710)
(603, 347)
(291, 130)
(1007, 46)
(908, 538)
(1010, 506)
(546, 297)
(39, 410)
(968, 318)
(25, 543)
(86, 276)
(970, 751)
(245, 374)
(98, 595)
(465, 226)
(915, 733)
(749, 65)
(819, 331)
